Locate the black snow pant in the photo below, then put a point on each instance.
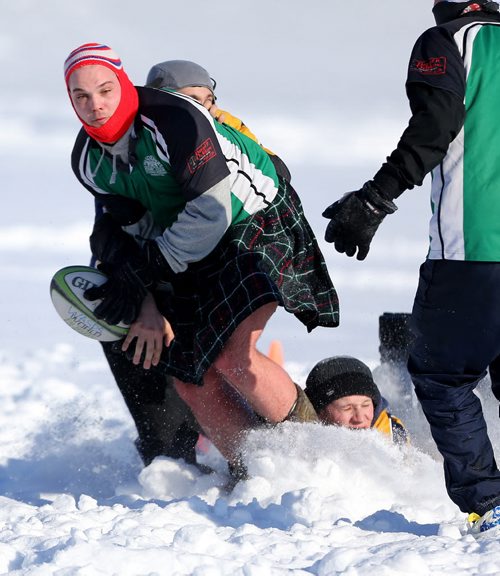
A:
(165, 425)
(456, 322)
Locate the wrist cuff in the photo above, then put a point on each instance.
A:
(372, 195)
(388, 185)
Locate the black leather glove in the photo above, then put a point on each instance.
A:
(120, 258)
(110, 244)
(122, 295)
(355, 219)
(131, 270)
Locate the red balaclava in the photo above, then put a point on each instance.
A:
(98, 54)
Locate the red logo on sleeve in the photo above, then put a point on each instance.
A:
(202, 154)
(430, 67)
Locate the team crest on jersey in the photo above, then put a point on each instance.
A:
(430, 67)
(202, 154)
(153, 166)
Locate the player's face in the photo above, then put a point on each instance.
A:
(201, 94)
(95, 92)
(351, 411)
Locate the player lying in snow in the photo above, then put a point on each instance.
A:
(343, 393)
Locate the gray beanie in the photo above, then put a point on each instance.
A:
(176, 74)
(340, 376)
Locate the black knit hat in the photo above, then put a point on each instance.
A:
(339, 376)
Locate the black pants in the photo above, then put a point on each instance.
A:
(165, 425)
(456, 320)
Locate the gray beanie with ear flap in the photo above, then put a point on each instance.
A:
(177, 74)
(337, 377)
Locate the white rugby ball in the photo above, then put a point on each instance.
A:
(66, 291)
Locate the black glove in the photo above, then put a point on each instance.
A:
(130, 268)
(109, 243)
(120, 258)
(128, 284)
(122, 295)
(355, 219)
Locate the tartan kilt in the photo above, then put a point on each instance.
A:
(272, 256)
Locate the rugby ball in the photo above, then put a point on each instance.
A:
(66, 291)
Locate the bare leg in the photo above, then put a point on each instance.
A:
(263, 383)
(259, 383)
(220, 411)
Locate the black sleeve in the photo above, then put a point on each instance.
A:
(438, 116)
(125, 211)
(436, 91)
(436, 61)
(110, 244)
(197, 160)
(192, 145)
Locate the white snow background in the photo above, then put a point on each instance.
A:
(322, 83)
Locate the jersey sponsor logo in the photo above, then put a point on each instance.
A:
(430, 67)
(472, 8)
(153, 166)
(202, 154)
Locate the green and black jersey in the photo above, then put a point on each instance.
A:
(466, 184)
(453, 88)
(194, 176)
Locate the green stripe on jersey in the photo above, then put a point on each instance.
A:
(481, 171)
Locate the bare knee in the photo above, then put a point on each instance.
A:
(195, 396)
(240, 350)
